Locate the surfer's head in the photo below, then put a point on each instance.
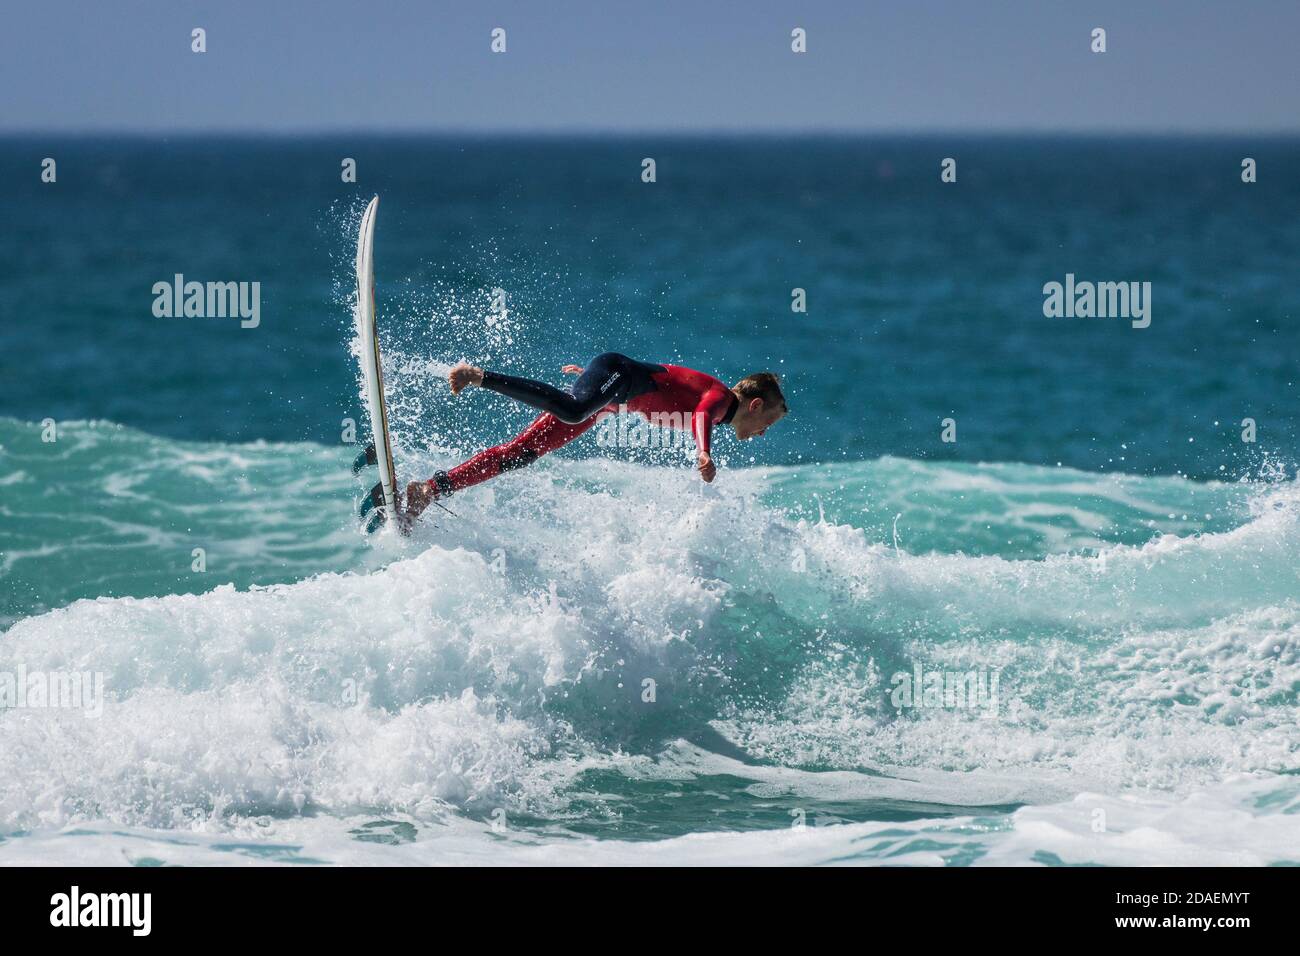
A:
(761, 404)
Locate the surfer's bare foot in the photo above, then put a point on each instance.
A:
(418, 496)
(462, 375)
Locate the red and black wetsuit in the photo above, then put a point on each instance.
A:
(677, 396)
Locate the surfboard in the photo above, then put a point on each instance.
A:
(383, 497)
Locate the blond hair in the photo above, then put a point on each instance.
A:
(764, 385)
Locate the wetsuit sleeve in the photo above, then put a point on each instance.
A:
(711, 409)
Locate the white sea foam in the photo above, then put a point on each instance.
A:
(500, 655)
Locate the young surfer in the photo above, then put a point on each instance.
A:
(666, 394)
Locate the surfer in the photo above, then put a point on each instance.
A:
(669, 394)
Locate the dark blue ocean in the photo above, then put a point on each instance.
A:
(924, 299)
(1099, 536)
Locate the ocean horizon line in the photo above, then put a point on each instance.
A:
(680, 134)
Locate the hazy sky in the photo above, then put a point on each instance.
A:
(1172, 65)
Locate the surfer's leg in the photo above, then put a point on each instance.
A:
(601, 383)
(545, 434)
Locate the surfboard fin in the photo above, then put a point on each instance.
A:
(373, 501)
(367, 458)
(373, 504)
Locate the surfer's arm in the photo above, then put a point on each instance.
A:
(712, 407)
(418, 496)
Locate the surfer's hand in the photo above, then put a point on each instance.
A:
(418, 497)
(464, 374)
(572, 370)
(706, 466)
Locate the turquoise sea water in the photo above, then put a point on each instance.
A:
(1098, 538)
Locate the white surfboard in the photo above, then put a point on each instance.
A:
(371, 366)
